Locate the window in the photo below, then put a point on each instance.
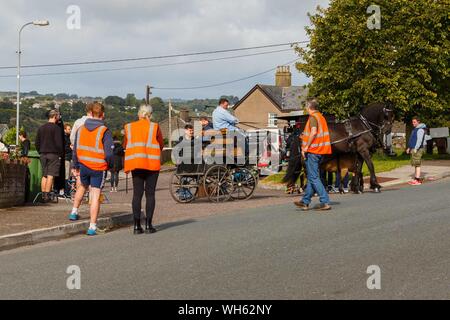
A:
(272, 120)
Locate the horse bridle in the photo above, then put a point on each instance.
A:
(369, 125)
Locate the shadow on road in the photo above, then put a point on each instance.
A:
(169, 225)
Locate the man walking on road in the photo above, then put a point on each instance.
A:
(315, 144)
(416, 146)
(92, 156)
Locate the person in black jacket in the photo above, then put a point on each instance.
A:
(26, 144)
(118, 157)
(67, 156)
(49, 144)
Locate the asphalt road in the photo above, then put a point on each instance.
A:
(275, 252)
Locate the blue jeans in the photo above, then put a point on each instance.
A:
(314, 182)
(338, 180)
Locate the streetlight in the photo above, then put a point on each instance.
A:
(40, 23)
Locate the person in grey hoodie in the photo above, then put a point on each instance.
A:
(88, 165)
(416, 146)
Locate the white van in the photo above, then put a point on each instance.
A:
(274, 142)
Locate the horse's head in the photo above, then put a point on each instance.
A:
(380, 117)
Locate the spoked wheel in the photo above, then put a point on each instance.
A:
(218, 183)
(184, 189)
(244, 183)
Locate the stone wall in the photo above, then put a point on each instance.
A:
(12, 185)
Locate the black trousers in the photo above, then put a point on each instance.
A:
(144, 181)
(114, 178)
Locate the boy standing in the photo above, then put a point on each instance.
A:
(416, 146)
(92, 157)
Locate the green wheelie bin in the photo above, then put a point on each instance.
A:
(35, 175)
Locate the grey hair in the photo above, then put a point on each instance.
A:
(145, 111)
(312, 103)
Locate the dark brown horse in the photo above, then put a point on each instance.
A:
(355, 138)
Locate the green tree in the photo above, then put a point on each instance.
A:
(10, 136)
(131, 100)
(115, 101)
(405, 62)
(160, 110)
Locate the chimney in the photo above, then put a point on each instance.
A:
(184, 115)
(283, 77)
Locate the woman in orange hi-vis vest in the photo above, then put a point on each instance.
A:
(143, 144)
(315, 144)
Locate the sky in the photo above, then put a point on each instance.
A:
(118, 29)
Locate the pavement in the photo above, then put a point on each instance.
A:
(271, 252)
(29, 225)
(431, 170)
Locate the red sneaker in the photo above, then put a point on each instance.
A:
(415, 182)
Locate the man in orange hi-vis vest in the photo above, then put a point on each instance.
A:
(315, 144)
(143, 144)
(92, 157)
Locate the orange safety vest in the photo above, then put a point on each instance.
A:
(90, 151)
(321, 143)
(142, 150)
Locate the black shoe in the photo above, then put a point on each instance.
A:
(149, 228)
(137, 227)
(45, 198)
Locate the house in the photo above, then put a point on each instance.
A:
(263, 104)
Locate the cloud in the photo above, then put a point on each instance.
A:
(121, 29)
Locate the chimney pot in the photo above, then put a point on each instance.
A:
(283, 76)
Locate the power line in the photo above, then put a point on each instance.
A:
(155, 57)
(147, 66)
(227, 82)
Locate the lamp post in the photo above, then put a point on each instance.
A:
(40, 23)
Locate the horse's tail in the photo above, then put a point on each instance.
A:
(295, 162)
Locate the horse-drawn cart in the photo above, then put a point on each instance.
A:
(219, 181)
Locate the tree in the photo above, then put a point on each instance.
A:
(405, 62)
(114, 101)
(131, 100)
(160, 110)
(10, 136)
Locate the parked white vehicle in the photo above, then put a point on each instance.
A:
(271, 145)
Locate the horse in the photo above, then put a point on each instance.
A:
(342, 163)
(354, 140)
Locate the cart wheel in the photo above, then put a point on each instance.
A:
(244, 183)
(218, 183)
(183, 189)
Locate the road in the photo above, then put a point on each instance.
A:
(275, 252)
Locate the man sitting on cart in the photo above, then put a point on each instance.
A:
(222, 118)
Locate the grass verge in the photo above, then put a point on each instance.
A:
(381, 162)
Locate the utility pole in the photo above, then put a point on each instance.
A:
(170, 123)
(148, 93)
